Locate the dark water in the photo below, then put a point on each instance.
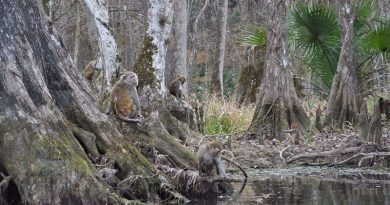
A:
(310, 187)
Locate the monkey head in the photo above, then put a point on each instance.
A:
(130, 78)
(215, 148)
(182, 79)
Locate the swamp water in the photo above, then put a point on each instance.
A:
(310, 186)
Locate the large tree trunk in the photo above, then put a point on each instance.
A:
(177, 51)
(250, 77)
(344, 96)
(277, 104)
(108, 53)
(52, 133)
(216, 85)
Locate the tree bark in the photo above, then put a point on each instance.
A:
(177, 51)
(107, 46)
(51, 129)
(77, 34)
(344, 96)
(250, 77)
(217, 72)
(277, 104)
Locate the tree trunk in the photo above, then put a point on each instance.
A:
(177, 51)
(217, 72)
(195, 47)
(250, 77)
(370, 127)
(344, 96)
(107, 46)
(52, 133)
(77, 34)
(277, 104)
(151, 60)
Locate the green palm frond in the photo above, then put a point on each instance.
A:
(377, 41)
(323, 69)
(314, 29)
(256, 36)
(364, 17)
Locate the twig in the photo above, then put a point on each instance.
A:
(364, 158)
(235, 163)
(281, 154)
(220, 179)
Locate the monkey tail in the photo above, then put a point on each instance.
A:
(236, 164)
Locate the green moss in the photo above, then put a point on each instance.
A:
(81, 166)
(46, 7)
(143, 65)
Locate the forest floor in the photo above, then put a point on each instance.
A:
(251, 154)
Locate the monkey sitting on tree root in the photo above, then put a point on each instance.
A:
(89, 70)
(209, 159)
(124, 100)
(176, 87)
(210, 162)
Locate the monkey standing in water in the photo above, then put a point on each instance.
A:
(89, 70)
(176, 87)
(124, 100)
(210, 162)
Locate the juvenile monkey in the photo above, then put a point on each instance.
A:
(176, 87)
(124, 100)
(209, 159)
(89, 70)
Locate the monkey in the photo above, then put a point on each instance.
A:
(384, 106)
(209, 160)
(89, 70)
(124, 100)
(176, 87)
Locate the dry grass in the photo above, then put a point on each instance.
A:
(226, 117)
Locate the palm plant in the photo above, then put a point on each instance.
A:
(314, 33)
(256, 36)
(314, 36)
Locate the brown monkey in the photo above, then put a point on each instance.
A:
(124, 100)
(210, 162)
(89, 70)
(384, 106)
(176, 87)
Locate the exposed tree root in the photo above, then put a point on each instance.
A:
(190, 183)
(361, 154)
(324, 154)
(364, 157)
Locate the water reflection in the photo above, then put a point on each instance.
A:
(347, 189)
